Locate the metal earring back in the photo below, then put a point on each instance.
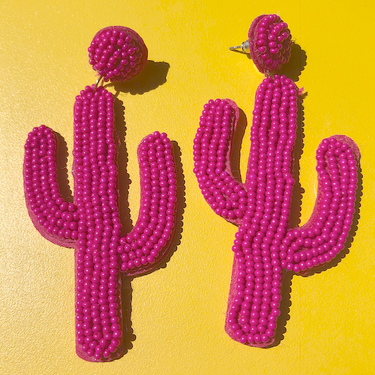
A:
(244, 47)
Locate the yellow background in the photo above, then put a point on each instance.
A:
(178, 312)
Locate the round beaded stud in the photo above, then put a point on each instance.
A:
(92, 223)
(265, 247)
(117, 53)
(269, 43)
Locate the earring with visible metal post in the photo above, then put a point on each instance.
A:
(269, 43)
(266, 246)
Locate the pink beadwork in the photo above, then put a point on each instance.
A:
(265, 247)
(92, 223)
(118, 53)
(269, 43)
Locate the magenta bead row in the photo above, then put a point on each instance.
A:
(57, 217)
(273, 42)
(115, 54)
(98, 294)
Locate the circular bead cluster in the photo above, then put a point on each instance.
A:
(117, 53)
(225, 195)
(57, 220)
(269, 42)
(154, 227)
(264, 244)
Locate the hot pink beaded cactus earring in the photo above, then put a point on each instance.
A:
(266, 247)
(91, 224)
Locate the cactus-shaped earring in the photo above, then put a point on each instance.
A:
(91, 224)
(265, 247)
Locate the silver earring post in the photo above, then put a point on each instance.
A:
(244, 47)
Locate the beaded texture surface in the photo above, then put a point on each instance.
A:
(270, 43)
(92, 223)
(117, 53)
(265, 247)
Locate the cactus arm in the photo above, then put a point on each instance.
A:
(325, 233)
(212, 150)
(55, 218)
(148, 243)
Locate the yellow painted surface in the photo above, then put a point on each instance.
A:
(178, 312)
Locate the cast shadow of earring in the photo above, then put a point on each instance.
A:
(235, 157)
(126, 288)
(151, 77)
(296, 64)
(62, 170)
